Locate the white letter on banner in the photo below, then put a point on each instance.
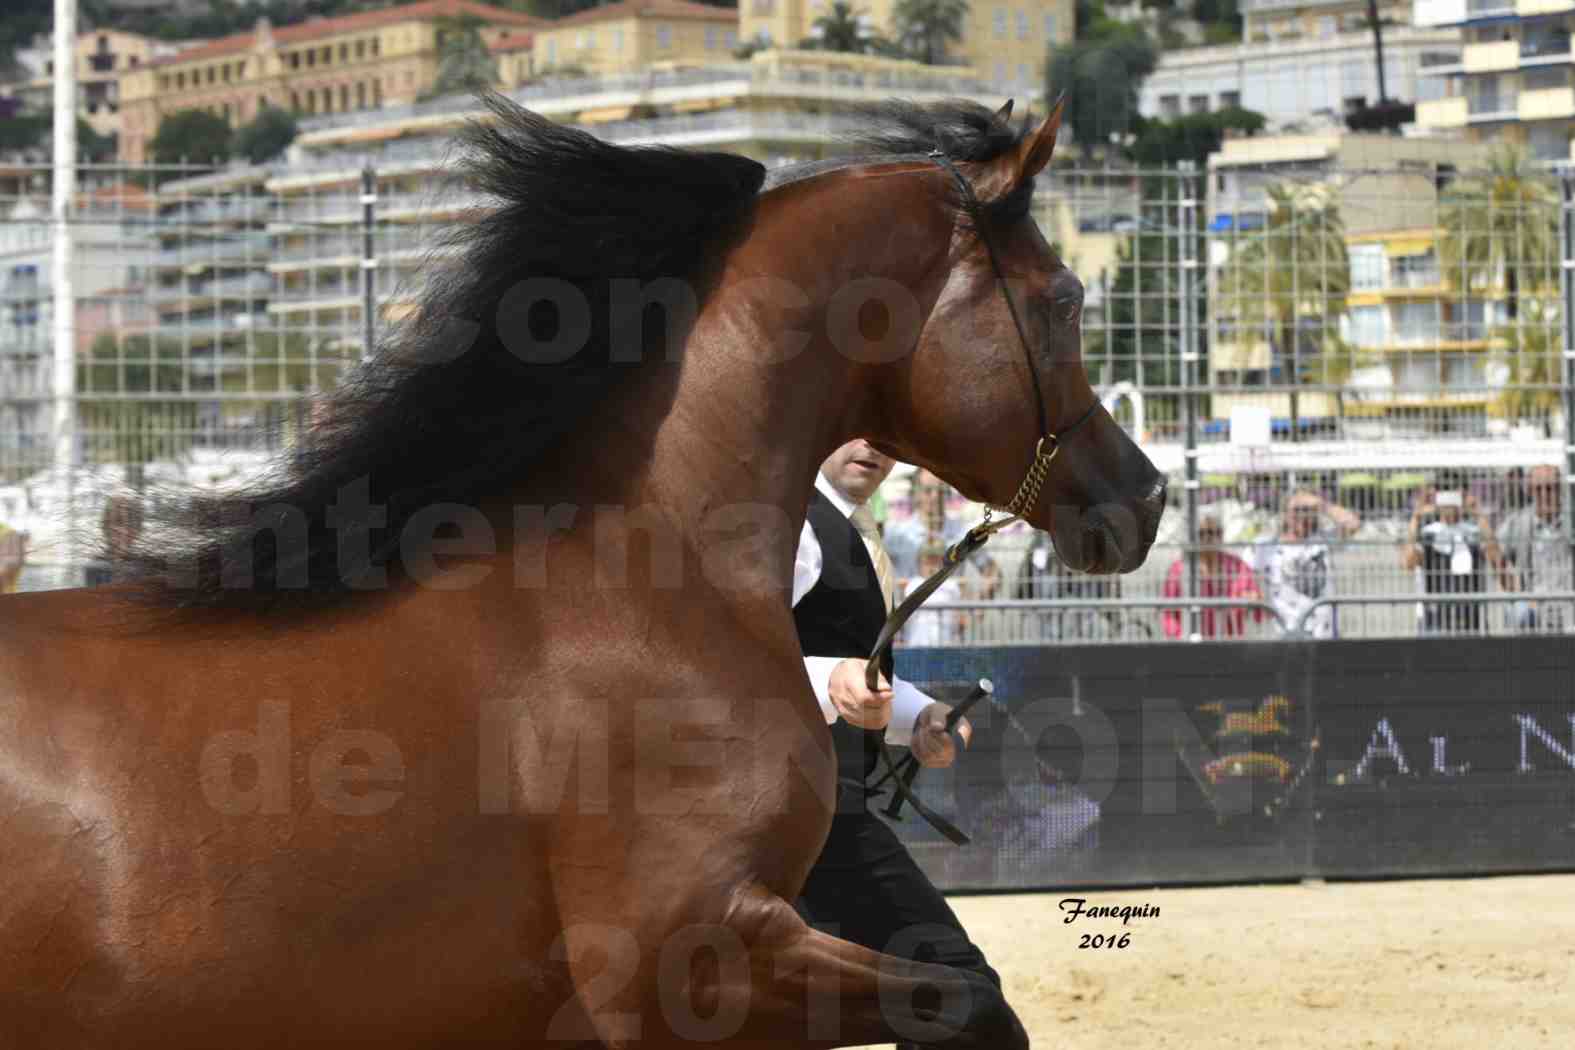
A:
(1529, 727)
(1390, 748)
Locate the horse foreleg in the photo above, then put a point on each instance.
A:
(805, 988)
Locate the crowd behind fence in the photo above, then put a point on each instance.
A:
(1314, 355)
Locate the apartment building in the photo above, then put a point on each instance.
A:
(1513, 81)
(1005, 43)
(622, 37)
(1421, 345)
(1302, 66)
(102, 58)
(353, 63)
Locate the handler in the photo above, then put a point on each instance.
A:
(865, 887)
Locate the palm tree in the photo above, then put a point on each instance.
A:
(839, 30)
(1503, 221)
(1289, 282)
(1531, 389)
(925, 28)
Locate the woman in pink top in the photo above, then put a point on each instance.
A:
(1220, 575)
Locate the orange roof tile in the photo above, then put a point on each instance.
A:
(321, 27)
(512, 42)
(683, 9)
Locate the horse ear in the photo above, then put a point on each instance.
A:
(1034, 152)
(1004, 114)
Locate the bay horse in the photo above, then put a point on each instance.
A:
(482, 721)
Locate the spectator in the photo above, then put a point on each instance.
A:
(1297, 567)
(1042, 577)
(935, 626)
(1220, 575)
(929, 522)
(121, 525)
(1451, 540)
(13, 558)
(1537, 554)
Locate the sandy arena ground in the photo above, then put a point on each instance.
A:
(1480, 964)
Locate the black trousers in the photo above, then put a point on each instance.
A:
(865, 888)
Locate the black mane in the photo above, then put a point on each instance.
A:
(445, 412)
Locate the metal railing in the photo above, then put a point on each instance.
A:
(1242, 359)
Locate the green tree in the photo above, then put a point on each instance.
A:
(1288, 284)
(1101, 75)
(267, 136)
(1501, 224)
(191, 136)
(838, 30)
(1533, 348)
(924, 30)
(464, 63)
(1162, 143)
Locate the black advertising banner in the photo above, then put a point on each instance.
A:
(1132, 765)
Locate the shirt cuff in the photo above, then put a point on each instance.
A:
(906, 703)
(820, 668)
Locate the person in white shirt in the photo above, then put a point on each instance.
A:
(864, 886)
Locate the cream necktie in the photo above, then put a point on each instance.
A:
(864, 521)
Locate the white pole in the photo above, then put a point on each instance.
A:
(64, 184)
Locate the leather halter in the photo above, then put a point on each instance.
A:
(1021, 504)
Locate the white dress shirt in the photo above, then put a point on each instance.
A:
(907, 701)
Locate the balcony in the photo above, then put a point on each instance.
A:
(1527, 8)
(1547, 104)
(252, 248)
(1497, 57)
(1490, 8)
(1443, 113)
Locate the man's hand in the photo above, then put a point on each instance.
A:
(932, 744)
(852, 698)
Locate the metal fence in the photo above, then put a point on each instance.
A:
(1312, 353)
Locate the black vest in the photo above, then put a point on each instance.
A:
(842, 616)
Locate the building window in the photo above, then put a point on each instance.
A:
(344, 52)
(1230, 100)
(1170, 106)
(1022, 25)
(360, 96)
(226, 74)
(1050, 27)
(730, 38)
(1197, 103)
(344, 96)
(1000, 74)
(1367, 267)
(1367, 325)
(710, 38)
(360, 49)
(1000, 23)
(311, 59)
(664, 37)
(764, 7)
(376, 46)
(552, 52)
(1415, 271)
(617, 44)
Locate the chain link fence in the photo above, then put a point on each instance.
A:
(1358, 380)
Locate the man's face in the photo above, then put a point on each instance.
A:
(1302, 517)
(1543, 483)
(856, 469)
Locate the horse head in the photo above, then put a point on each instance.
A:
(996, 398)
